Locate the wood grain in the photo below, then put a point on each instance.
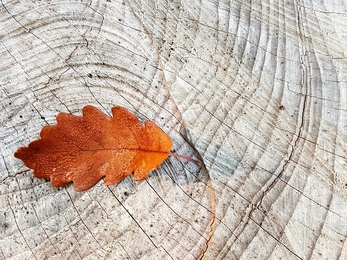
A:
(257, 90)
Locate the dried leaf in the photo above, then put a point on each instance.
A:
(84, 149)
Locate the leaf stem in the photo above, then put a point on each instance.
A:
(197, 162)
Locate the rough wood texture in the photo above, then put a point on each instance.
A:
(258, 90)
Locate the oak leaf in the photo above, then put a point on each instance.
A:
(84, 149)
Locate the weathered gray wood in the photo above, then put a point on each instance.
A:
(258, 90)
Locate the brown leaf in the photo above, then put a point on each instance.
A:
(84, 149)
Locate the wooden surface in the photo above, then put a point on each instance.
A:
(258, 91)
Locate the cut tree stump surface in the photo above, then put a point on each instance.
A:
(257, 91)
